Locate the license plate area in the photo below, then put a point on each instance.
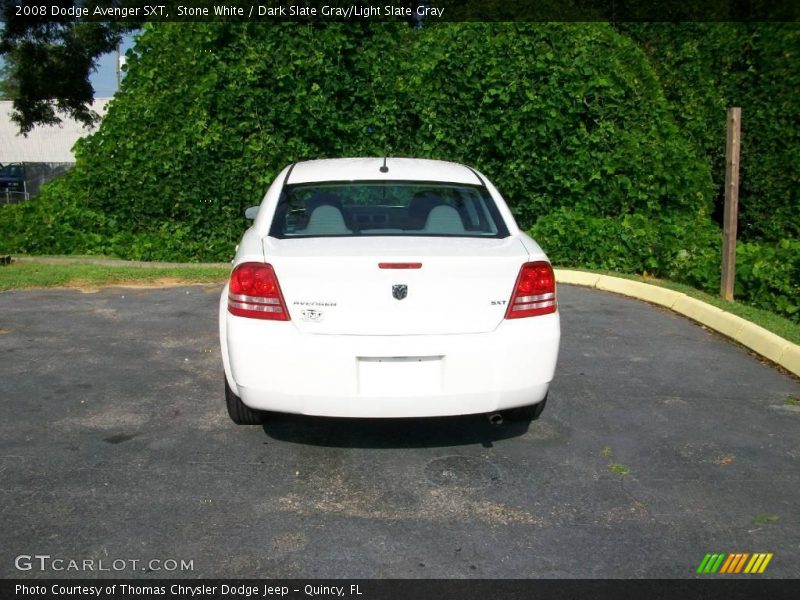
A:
(399, 375)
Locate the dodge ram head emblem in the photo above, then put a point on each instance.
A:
(400, 291)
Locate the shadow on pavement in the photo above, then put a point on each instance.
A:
(391, 433)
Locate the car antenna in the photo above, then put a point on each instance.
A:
(384, 168)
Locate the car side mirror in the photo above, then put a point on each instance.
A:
(251, 212)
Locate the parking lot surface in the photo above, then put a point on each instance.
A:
(661, 442)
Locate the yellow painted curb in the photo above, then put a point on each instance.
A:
(577, 277)
(758, 339)
(762, 341)
(636, 289)
(791, 359)
(710, 316)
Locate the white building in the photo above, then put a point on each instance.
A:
(45, 152)
(43, 144)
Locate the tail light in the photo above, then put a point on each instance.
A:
(534, 293)
(254, 292)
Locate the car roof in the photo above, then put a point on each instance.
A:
(400, 169)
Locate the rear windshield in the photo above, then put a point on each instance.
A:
(386, 208)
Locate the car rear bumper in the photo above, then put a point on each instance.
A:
(272, 366)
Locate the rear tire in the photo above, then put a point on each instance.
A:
(239, 412)
(525, 413)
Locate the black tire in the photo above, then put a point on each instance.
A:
(525, 413)
(239, 412)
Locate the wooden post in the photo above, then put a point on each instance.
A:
(117, 70)
(731, 215)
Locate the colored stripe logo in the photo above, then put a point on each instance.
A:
(735, 563)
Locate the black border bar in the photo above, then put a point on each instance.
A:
(730, 588)
(415, 12)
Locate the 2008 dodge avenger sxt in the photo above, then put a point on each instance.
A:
(372, 287)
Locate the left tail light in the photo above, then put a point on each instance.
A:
(254, 292)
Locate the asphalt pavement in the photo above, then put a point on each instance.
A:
(661, 442)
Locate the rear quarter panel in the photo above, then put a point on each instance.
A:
(535, 251)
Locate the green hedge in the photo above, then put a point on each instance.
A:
(681, 250)
(768, 276)
(704, 68)
(677, 248)
(557, 115)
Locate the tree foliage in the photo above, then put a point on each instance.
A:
(48, 64)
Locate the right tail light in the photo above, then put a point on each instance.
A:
(535, 291)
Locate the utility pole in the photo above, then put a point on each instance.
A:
(117, 64)
(731, 214)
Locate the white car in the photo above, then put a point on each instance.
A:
(372, 287)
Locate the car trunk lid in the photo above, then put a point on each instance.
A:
(426, 285)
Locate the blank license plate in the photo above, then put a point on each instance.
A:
(399, 375)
